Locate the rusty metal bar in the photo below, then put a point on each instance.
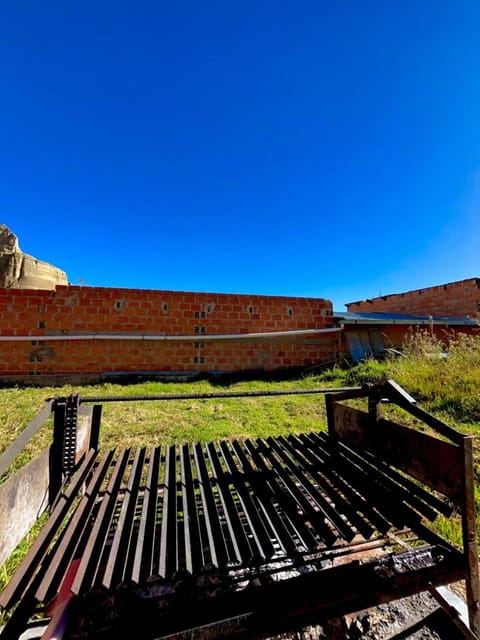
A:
(216, 539)
(343, 500)
(96, 540)
(117, 558)
(317, 518)
(318, 446)
(399, 396)
(442, 506)
(249, 505)
(388, 482)
(257, 481)
(356, 391)
(397, 512)
(193, 546)
(240, 542)
(168, 562)
(329, 513)
(143, 561)
(470, 545)
(65, 550)
(284, 499)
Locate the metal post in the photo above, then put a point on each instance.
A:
(329, 397)
(470, 540)
(374, 407)
(95, 426)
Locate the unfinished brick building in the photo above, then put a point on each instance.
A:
(455, 299)
(90, 332)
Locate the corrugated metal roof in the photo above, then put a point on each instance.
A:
(349, 317)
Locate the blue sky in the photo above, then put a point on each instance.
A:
(306, 148)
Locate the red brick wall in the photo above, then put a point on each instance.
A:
(85, 310)
(456, 299)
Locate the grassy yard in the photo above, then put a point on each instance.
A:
(448, 387)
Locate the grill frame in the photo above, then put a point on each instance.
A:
(289, 519)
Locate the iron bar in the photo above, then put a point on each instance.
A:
(249, 506)
(342, 501)
(168, 562)
(143, 562)
(284, 499)
(64, 551)
(193, 545)
(228, 394)
(96, 540)
(117, 558)
(240, 542)
(216, 539)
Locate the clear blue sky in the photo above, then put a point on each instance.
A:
(304, 148)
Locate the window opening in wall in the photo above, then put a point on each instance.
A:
(164, 307)
(290, 311)
(198, 359)
(250, 309)
(199, 314)
(41, 324)
(199, 329)
(199, 345)
(118, 305)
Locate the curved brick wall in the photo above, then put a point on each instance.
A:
(73, 310)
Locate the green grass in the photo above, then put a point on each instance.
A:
(138, 423)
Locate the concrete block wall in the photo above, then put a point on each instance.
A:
(73, 310)
(455, 299)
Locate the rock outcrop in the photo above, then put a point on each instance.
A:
(19, 270)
